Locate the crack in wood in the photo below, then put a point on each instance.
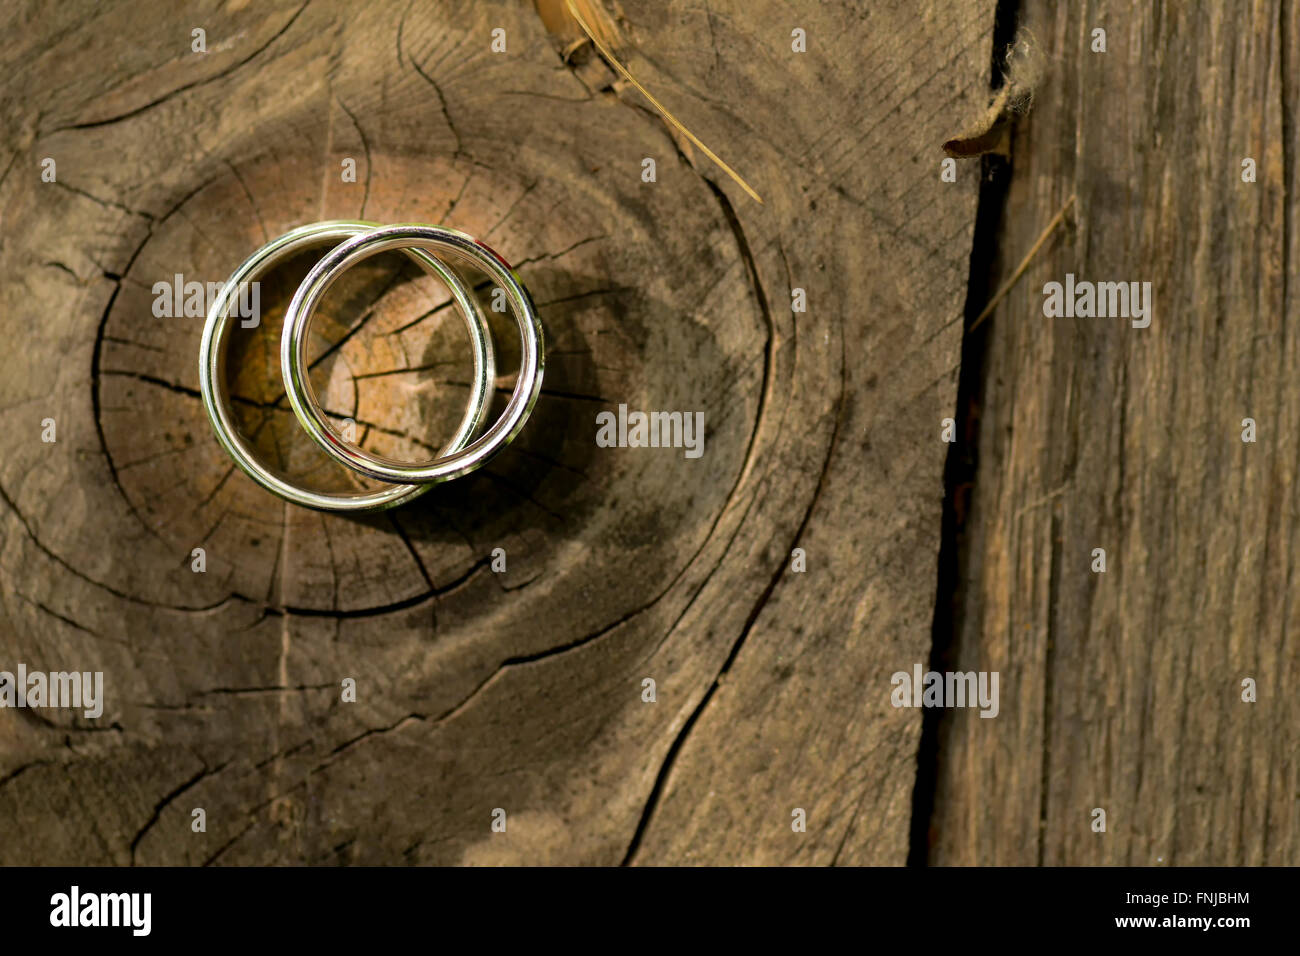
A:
(170, 798)
(94, 124)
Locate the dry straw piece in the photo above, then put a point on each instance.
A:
(603, 33)
(1024, 264)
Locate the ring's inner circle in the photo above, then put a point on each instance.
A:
(389, 357)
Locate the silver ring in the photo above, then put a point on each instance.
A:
(293, 352)
(212, 355)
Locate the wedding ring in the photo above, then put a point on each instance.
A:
(212, 360)
(455, 460)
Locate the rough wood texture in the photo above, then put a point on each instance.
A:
(477, 690)
(1123, 690)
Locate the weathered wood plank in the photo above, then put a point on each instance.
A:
(1122, 690)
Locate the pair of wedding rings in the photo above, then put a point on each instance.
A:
(355, 241)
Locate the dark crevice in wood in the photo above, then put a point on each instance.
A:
(1053, 598)
(46, 609)
(93, 124)
(751, 267)
(382, 609)
(121, 595)
(244, 691)
(665, 768)
(105, 203)
(442, 104)
(96, 357)
(227, 845)
(415, 555)
(1290, 103)
(18, 772)
(1290, 106)
(165, 801)
(959, 473)
(517, 661)
(365, 146)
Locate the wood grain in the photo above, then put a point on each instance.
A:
(479, 690)
(1122, 690)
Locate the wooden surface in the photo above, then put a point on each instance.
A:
(1122, 690)
(477, 690)
(523, 690)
